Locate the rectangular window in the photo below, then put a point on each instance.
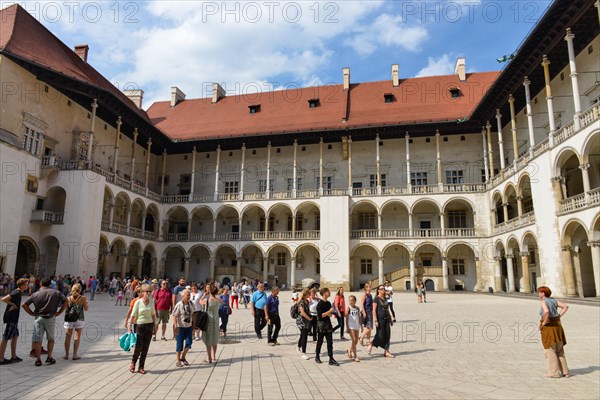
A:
(483, 174)
(32, 141)
(281, 259)
(327, 182)
(290, 184)
(367, 221)
(32, 184)
(185, 179)
(454, 177)
(457, 219)
(298, 222)
(232, 187)
(373, 180)
(366, 266)
(418, 178)
(262, 185)
(164, 178)
(261, 224)
(458, 266)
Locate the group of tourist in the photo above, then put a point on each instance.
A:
(203, 310)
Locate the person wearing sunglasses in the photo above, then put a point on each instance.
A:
(383, 323)
(144, 315)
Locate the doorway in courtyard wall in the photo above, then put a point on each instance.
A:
(575, 240)
(27, 257)
(429, 285)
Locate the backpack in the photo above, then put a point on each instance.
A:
(71, 315)
(294, 311)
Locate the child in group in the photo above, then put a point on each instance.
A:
(119, 298)
(353, 326)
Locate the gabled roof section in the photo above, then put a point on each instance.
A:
(417, 101)
(23, 37)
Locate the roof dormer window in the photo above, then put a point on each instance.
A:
(255, 108)
(314, 103)
(454, 91)
(388, 97)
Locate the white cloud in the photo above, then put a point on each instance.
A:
(443, 65)
(388, 30)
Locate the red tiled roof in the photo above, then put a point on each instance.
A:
(23, 36)
(416, 100)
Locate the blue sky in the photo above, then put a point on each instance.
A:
(248, 46)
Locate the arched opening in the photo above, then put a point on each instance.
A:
(103, 252)
(581, 263)
(148, 262)
(510, 194)
(426, 219)
(55, 200)
(308, 266)
(308, 221)
(121, 208)
(500, 268)
(364, 220)
(199, 264)
(117, 258)
(428, 264)
(462, 270)
(569, 171)
(178, 224)
(530, 261)
(525, 194)
(202, 224)
(27, 257)
(228, 223)
(138, 209)
(174, 263)
(498, 208)
(280, 222)
(106, 205)
(591, 157)
(151, 222)
(280, 261)
(50, 252)
(364, 266)
(459, 218)
(514, 260)
(394, 220)
(396, 265)
(134, 260)
(253, 220)
(225, 263)
(252, 263)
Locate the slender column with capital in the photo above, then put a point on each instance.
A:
(378, 224)
(139, 267)
(488, 128)
(265, 269)
(162, 267)
(407, 141)
(193, 177)
(117, 137)
(597, 5)
(128, 218)
(147, 175)
(153, 270)
(214, 231)
(186, 269)
(350, 165)
(526, 84)
(594, 246)
(378, 165)
(505, 211)
(412, 272)
(577, 269)
(164, 170)
(238, 269)
(240, 225)
(445, 283)
(586, 181)
(124, 260)
(295, 171)
(268, 191)
(479, 287)
(500, 139)
(133, 143)
(111, 213)
(574, 83)
(520, 205)
(410, 223)
(293, 273)
(567, 265)
(438, 161)
(511, 272)
(321, 167)
(443, 223)
(242, 171)
(293, 225)
(498, 274)
(216, 194)
(513, 127)
(526, 276)
(211, 272)
(380, 270)
(549, 101)
(91, 134)
(485, 158)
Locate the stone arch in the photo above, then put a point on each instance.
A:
(28, 256)
(55, 200)
(462, 267)
(567, 166)
(174, 260)
(362, 203)
(138, 210)
(49, 256)
(578, 266)
(510, 196)
(122, 205)
(199, 263)
(590, 156)
(364, 265)
(525, 192)
(394, 218)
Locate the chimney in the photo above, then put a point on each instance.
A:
(82, 51)
(346, 74)
(135, 95)
(176, 96)
(395, 75)
(461, 69)
(217, 93)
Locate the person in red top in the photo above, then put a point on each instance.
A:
(339, 306)
(164, 305)
(134, 284)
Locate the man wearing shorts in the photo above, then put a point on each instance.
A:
(176, 298)
(162, 302)
(46, 302)
(11, 319)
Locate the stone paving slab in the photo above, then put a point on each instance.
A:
(467, 346)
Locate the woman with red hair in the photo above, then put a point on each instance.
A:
(553, 335)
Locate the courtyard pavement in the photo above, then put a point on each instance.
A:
(456, 346)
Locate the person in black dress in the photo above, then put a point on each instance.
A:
(324, 327)
(383, 323)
